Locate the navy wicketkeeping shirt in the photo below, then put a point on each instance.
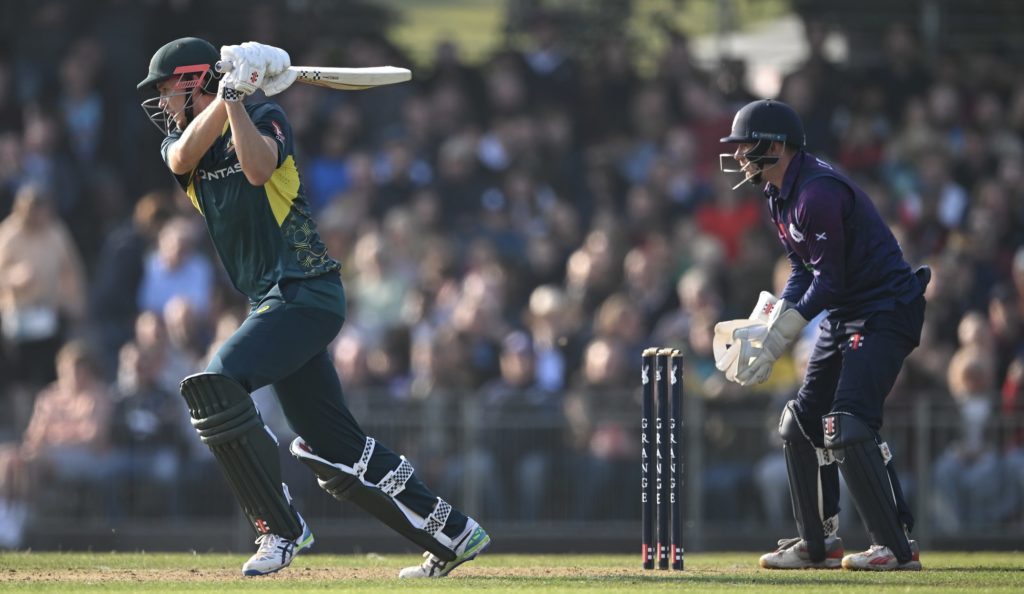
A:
(844, 257)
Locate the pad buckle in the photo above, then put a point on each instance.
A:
(437, 518)
(886, 453)
(364, 461)
(394, 481)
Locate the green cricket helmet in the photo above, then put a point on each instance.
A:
(192, 61)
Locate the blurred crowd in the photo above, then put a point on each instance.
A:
(512, 233)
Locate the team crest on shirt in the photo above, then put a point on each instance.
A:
(795, 233)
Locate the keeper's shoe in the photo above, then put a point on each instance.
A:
(792, 554)
(276, 552)
(880, 558)
(474, 540)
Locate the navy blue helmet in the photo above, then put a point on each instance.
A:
(769, 120)
(762, 123)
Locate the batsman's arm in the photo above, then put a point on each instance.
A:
(183, 156)
(256, 153)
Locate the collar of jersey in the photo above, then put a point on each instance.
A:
(789, 179)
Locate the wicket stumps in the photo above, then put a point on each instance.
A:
(660, 435)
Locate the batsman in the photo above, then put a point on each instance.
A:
(846, 262)
(236, 162)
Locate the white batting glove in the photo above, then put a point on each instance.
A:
(276, 59)
(242, 80)
(272, 85)
(236, 54)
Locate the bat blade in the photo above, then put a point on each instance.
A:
(351, 79)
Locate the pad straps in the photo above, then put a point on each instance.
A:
(804, 464)
(863, 459)
(227, 421)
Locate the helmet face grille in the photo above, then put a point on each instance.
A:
(156, 113)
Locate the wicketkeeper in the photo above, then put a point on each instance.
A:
(236, 162)
(845, 261)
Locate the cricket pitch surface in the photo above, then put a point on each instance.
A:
(974, 572)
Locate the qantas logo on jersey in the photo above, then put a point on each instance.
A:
(219, 173)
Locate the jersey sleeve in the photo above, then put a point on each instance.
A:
(165, 148)
(271, 122)
(820, 215)
(800, 277)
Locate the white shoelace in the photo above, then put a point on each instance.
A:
(432, 563)
(272, 545)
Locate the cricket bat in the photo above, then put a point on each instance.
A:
(346, 79)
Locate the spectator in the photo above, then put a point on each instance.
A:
(602, 451)
(377, 292)
(66, 444)
(151, 336)
(149, 429)
(118, 276)
(175, 268)
(523, 431)
(968, 475)
(186, 331)
(41, 292)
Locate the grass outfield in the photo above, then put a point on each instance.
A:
(717, 572)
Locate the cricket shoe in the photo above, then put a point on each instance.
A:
(276, 552)
(473, 541)
(880, 558)
(792, 554)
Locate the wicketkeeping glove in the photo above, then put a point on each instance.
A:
(736, 344)
(784, 325)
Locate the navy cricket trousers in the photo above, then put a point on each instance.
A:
(283, 343)
(852, 369)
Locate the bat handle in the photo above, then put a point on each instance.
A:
(223, 66)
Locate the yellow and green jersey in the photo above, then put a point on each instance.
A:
(263, 234)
